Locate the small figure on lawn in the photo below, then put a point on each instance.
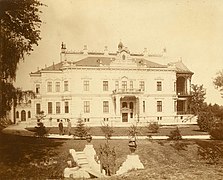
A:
(61, 127)
(69, 127)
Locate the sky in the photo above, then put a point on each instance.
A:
(190, 30)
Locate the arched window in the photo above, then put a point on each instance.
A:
(131, 105)
(23, 115)
(124, 105)
(17, 114)
(29, 114)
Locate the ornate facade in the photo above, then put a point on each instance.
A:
(121, 88)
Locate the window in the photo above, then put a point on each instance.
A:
(50, 108)
(144, 106)
(37, 88)
(124, 105)
(37, 108)
(29, 114)
(58, 107)
(159, 106)
(105, 85)
(66, 86)
(86, 120)
(17, 114)
(131, 85)
(159, 86)
(142, 85)
(57, 87)
(131, 105)
(49, 86)
(116, 85)
(124, 85)
(66, 107)
(105, 119)
(86, 106)
(105, 107)
(86, 85)
(159, 118)
(131, 115)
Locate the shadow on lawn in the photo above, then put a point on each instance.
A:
(210, 151)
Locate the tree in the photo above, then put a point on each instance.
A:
(19, 31)
(218, 81)
(81, 130)
(198, 97)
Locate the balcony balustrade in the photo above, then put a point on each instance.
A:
(128, 91)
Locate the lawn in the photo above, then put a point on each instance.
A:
(25, 157)
(142, 131)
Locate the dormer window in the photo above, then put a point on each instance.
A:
(123, 57)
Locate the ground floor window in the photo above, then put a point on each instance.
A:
(17, 114)
(37, 108)
(86, 106)
(50, 107)
(29, 114)
(58, 107)
(66, 107)
(159, 106)
(105, 107)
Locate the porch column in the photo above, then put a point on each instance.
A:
(117, 106)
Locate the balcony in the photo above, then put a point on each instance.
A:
(183, 93)
(128, 91)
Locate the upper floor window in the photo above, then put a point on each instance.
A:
(49, 86)
(58, 107)
(131, 105)
(116, 84)
(123, 57)
(159, 106)
(37, 88)
(86, 106)
(105, 107)
(159, 86)
(57, 87)
(131, 85)
(124, 85)
(50, 108)
(66, 107)
(37, 108)
(105, 85)
(86, 85)
(142, 85)
(66, 88)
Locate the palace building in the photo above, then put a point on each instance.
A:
(120, 88)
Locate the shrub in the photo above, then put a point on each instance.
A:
(216, 131)
(205, 120)
(40, 130)
(81, 130)
(107, 130)
(175, 134)
(133, 130)
(153, 127)
(107, 157)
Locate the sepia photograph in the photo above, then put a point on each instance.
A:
(111, 89)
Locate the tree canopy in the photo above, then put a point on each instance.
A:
(198, 97)
(218, 81)
(19, 30)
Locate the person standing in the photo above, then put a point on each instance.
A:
(69, 127)
(61, 127)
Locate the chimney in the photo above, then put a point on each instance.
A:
(145, 52)
(106, 50)
(63, 52)
(85, 49)
(63, 47)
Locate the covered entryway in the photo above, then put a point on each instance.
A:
(128, 108)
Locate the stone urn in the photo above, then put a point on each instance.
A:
(132, 145)
(88, 138)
